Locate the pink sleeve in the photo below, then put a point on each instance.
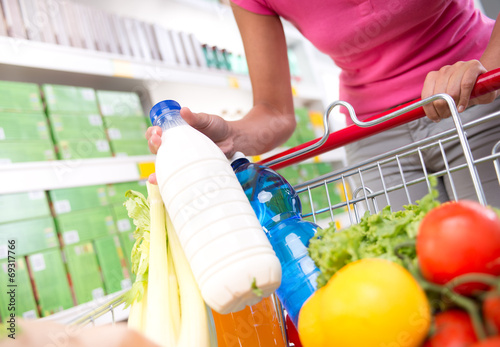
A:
(255, 6)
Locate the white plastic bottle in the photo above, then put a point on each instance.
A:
(222, 238)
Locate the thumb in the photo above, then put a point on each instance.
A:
(196, 120)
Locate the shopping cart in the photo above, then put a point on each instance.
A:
(356, 194)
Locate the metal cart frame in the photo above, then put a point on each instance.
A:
(364, 194)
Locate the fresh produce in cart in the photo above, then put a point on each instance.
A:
(450, 251)
(457, 238)
(370, 302)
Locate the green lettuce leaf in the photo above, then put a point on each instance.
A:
(138, 209)
(376, 236)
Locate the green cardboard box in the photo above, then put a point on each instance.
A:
(77, 126)
(20, 97)
(22, 206)
(51, 286)
(32, 235)
(85, 225)
(112, 262)
(69, 99)
(116, 191)
(24, 304)
(122, 148)
(114, 103)
(305, 130)
(79, 198)
(126, 128)
(127, 241)
(23, 126)
(23, 151)
(83, 149)
(124, 224)
(84, 272)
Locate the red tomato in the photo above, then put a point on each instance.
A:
(453, 328)
(491, 342)
(291, 332)
(491, 312)
(457, 238)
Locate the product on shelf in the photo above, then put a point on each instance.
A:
(20, 97)
(180, 56)
(304, 129)
(50, 281)
(112, 263)
(13, 19)
(124, 224)
(22, 206)
(23, 126)
(79, 198)
(125, 128)
(123, 148)
(84, 225)
(83, 149)
(22, 301)
(127, 242)
(165, 44)
(70, 99)
(3, 27)
(83, 270)
(15, 152)
(71, 127)
(116, 103)
(116, 191)
(31, 235)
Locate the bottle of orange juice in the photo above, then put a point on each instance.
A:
(254, 326)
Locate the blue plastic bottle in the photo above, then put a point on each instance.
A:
(278, 209)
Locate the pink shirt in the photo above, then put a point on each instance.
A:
(385, 48)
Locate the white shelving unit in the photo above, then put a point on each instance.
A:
(35, 176)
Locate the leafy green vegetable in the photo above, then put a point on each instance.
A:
(138, 209)
(256, 290)
(376, 236)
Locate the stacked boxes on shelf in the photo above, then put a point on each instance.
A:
(124, 121)
(24, 134)
(88, 259)
(28, 226)
(82, 213)
(76, 125)
(87, 227)
(83, 269)
(71, 24)
(50, 282)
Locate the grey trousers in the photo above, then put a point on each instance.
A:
(481, 139)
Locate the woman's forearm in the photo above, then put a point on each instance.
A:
(491, 56)
(262, 129)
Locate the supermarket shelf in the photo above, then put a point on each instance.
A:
(66, 316)
(33, 176)
(40, 55)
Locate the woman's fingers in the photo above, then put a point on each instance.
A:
(153, 135)
(456, 80)
(152, 178)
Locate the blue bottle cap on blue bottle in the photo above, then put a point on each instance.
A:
(161, 108)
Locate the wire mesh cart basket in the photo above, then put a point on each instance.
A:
(383, 180)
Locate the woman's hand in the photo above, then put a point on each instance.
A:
(216, 128)
(457, 80)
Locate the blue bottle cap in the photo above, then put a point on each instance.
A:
(161, 107)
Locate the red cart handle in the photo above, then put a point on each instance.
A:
(485, 84)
